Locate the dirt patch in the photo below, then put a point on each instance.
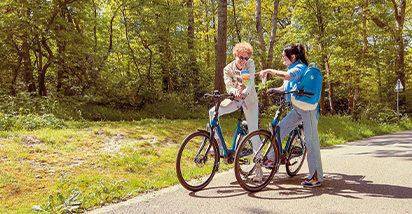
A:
(117, 141)
(170, 142)
(38, 164)
(31, 141)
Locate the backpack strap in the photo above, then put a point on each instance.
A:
(312, 64)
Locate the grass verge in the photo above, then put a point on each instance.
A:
(95, 163)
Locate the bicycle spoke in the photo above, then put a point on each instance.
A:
(297, 154)
(251, 174)
(195, 165)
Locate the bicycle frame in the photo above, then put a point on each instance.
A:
(216, 125)
(275, 123)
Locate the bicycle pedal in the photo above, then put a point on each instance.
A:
(228, 160)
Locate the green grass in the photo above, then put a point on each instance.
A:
(89, 164)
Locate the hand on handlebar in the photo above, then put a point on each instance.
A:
(279, 90)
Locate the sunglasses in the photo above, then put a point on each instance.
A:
(246, 58)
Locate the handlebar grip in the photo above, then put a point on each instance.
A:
(217, 95)
(302, 92)
(207, 95)
(275, 91)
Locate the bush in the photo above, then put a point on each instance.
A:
(174, 106)
(380, 113)
(29, 122)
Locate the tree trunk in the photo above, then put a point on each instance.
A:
(269, 60)
(60, 70)
(95, 26)
(42, 75)
(399, 44)
(322, 108)
(39, 66)
(355, 94)
(397, 32)
(349, 91)
(362, 64)
(191, 27)
(221, 46)
(272, 34)
(126, 26)
(15, 74)
(259, 30)
(321, 35)
(28, 68)
(237, 28)
(330, 85)
(192, 52)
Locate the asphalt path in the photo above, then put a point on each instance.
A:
(373, 175)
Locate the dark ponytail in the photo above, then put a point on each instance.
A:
(297, 50)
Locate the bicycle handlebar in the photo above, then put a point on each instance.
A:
(299, 92)
(216, 94)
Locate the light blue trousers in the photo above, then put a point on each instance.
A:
(310, 126)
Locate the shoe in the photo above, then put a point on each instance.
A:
(259, 174)
(269, 164)
(311, 182)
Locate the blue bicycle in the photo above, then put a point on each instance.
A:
(292, 155)
(198, 158)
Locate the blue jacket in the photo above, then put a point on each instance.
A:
(296, 71)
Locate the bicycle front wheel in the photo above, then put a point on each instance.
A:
(249, 169)
(297, 154)
(196, 164)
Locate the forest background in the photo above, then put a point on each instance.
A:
(97, 60)
(69, 68)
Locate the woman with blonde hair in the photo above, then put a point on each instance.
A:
(244, 91)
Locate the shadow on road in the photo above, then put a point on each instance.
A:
(336, 184)
(400, 149)
(289, 188)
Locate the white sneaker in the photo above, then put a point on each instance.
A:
(258, 174)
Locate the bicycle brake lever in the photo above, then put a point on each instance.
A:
(206, 95)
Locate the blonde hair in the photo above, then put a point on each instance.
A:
(243, 47)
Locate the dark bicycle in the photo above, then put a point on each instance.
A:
(199, 156)
(292, 155)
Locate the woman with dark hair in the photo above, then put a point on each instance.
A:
(294, 57)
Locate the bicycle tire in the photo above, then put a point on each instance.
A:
(244, 152)
(296, 154)
(246, 164)
(194, 168)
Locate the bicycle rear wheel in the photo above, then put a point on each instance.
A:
(248, 162)
(297, 154)
(195, 163)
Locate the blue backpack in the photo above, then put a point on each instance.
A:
(310, 82)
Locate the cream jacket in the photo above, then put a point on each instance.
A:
(232, 78)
